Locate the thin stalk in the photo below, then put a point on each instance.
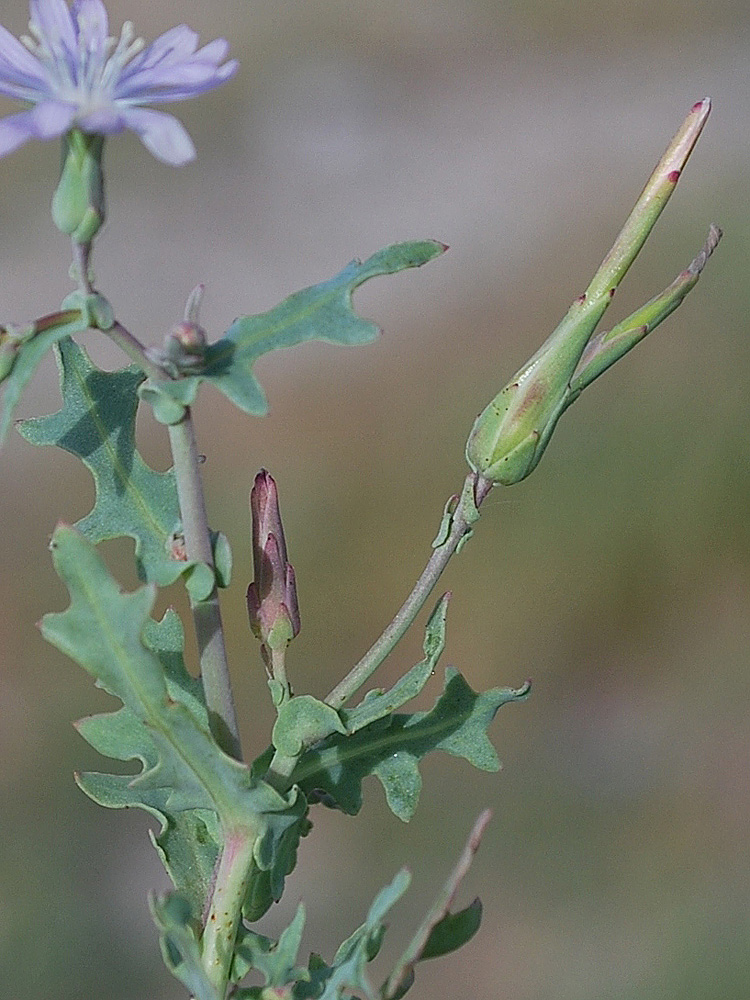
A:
(281, 767)
(411, 607)
(225, 911)
(135, 351)
(206, 614)
(81, 261)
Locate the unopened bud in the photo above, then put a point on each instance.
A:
(509, 436)
(272, 596)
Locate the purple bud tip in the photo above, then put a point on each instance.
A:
(699, 105)
(673, 176)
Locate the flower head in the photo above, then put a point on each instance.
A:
(78, 77)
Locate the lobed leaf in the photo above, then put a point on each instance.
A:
(391, 748)
(188, 842)
(321, 312)
(97, 425)
(164, 725)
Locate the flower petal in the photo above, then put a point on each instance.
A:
(161, 134)
(174, 83)
(176, 44)
(54, 20)
(48, 120)
(105, 121)
(17, 64)
(91, 21)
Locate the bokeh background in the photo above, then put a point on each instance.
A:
(617, 864)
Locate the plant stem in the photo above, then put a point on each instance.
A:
(81, 260)
(382, 647)
(136, 352)
(206, 614)
(222, 922)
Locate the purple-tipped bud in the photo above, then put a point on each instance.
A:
(272, 596)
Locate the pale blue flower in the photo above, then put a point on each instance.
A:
(76, 76)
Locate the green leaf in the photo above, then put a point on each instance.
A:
(376, 704)
(188, 842)
(103, 630)
(348, 970)
(303, 721)
(322, 312)
(391, 748)
(275, 960)
(26, 363)
(453, 931)
(97, 424)
(180, 946)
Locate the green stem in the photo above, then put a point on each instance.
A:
(206, 614)
(225, 911)
(81, 262)
(382, 647)
(136, 352)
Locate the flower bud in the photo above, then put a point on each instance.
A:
(272, 596)
(78, 208)
(509, 436)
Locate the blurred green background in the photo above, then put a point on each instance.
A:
(616, 577)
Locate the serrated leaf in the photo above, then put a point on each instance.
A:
(180, 947)
(97, 425)
(391, 748)
(26, 363)
(376, 704)
(321, 312)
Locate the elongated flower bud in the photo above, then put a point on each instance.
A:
(272, 596)
(78, 207)
(509, 436)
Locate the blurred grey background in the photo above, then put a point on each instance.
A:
(616, 577)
